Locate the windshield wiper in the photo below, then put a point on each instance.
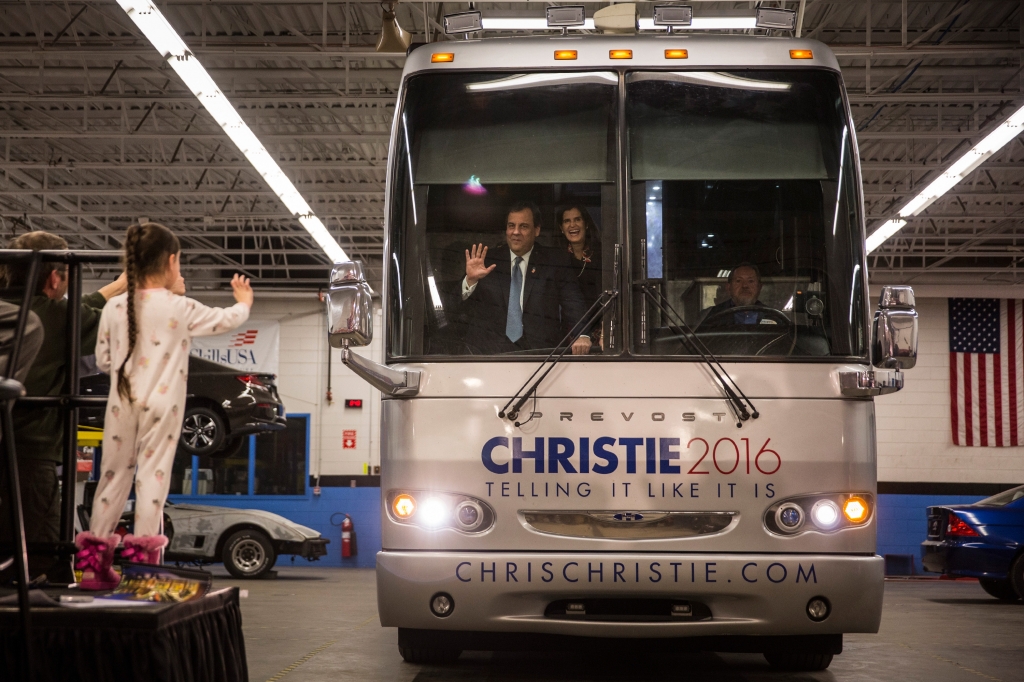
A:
(738, 400)
(596, 309)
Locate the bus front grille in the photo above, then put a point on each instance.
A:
(628, 525)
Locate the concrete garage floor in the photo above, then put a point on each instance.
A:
(313, 624)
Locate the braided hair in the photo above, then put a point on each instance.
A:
(146, 248)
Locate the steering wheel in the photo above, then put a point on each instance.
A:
(771, 313)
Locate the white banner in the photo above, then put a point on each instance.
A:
(253, 347)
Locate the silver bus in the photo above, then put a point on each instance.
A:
(662, 431)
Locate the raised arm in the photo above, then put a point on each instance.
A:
(206, 321)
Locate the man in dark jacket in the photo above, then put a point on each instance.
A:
(521, 296)
(743, 287)
(39, 433)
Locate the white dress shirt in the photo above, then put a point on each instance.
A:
(468, 290)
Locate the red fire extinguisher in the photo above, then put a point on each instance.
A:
(348, 535)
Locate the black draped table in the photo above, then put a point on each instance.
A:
(195, 641)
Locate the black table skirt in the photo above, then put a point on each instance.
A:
(198, 641)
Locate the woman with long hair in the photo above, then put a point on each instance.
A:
(583, 242)
(144, 340)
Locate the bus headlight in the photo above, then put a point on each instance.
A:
(825, 514)
(819, 512)
(439, 511)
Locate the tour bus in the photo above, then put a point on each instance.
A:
(704, 476)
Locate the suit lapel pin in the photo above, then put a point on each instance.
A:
(533, 271)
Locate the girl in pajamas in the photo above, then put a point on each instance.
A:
(144, 340)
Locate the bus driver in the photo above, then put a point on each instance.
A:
(531, 300)
(743, 287)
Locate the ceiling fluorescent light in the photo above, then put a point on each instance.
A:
(704, 24)
(527, 24)
(886, 230)
(960, 169)
(169, 44)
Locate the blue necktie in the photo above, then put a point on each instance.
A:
(514, 324)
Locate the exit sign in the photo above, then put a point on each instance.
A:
(353, 402)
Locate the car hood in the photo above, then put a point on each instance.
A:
(270, 519)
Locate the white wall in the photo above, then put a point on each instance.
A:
(914, 438)
(302, 383)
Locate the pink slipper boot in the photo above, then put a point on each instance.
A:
(144, 549)
(94, 558)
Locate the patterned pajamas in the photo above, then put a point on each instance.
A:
(140, 437)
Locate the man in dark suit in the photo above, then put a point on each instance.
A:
(743, 287)
(522, 296)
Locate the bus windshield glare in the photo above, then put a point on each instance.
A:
(742, 217)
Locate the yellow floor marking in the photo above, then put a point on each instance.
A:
(952, 662)
(313, 653)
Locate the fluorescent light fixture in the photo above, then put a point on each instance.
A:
(705, 24)
(535, 79)
(171, 47)
(528, 24)
(724, 273)
(958, 170)
(886, 230)
(789, 304)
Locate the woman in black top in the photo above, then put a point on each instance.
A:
(583, 242)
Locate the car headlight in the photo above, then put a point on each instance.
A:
(819, 512)
(433, 510)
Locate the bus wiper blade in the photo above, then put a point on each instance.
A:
(727, 383)
(595, 311)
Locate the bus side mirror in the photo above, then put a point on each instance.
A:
(895, 329)
(349, 307)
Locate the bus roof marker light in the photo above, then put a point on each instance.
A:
(565, 54)
(672, 16)
(775, 18)
(565, 16)
(801, 54)
(463, 22)
(676, 54)
(620, 54)
(442, 57)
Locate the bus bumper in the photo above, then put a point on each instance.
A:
(730, 594)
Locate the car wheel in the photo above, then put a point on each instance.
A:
(1017, 576)
(428, 656)
(248, 554)
(798, 661)
(202, 431)
(1000, 589)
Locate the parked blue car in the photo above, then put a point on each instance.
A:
(984, 540)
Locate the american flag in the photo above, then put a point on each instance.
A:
(986, 371)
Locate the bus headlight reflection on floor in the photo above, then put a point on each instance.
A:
(825, 514)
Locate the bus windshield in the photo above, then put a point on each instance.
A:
(745, 223)
(523, 165)
(742, 208)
